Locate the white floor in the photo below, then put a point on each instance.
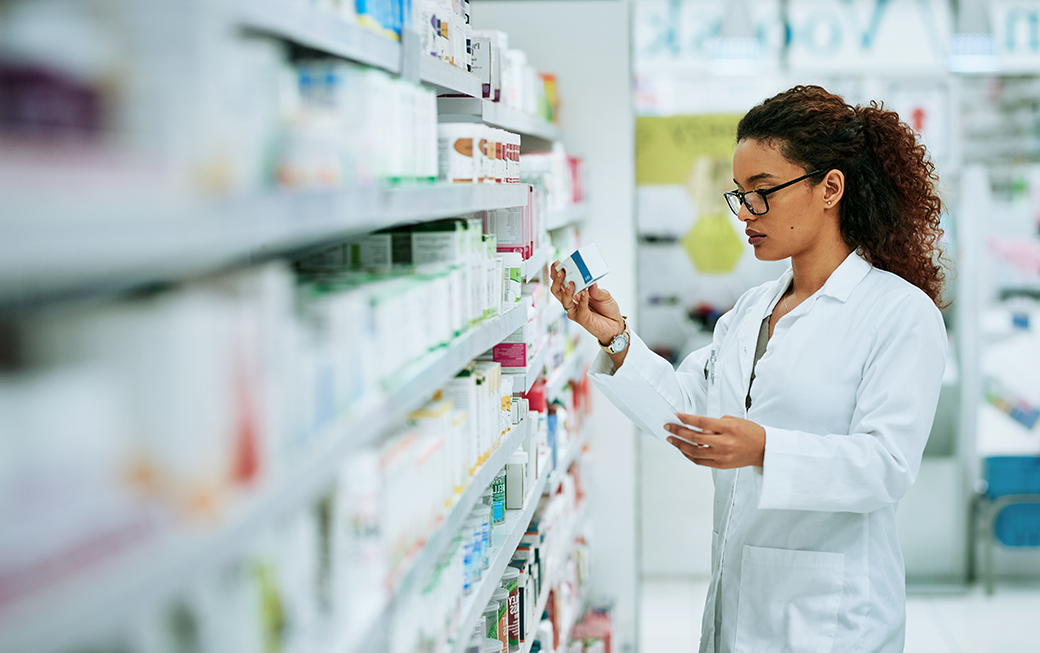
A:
(942, 622)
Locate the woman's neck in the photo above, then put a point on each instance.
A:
(812, 269)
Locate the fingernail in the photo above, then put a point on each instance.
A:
(671, 440)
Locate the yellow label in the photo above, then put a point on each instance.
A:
(667, 147)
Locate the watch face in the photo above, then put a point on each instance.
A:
(619, 343)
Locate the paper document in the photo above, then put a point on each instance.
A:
(661, 413)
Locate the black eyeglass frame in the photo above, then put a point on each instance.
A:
(741, 195)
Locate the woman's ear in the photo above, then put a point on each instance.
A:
(833, 187)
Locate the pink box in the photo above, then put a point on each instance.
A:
(510, 354)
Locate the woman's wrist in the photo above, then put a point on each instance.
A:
(620, 330)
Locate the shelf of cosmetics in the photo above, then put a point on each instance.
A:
(182, 404)
(261, 113)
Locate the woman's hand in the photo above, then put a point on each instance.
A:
(724, 443)
(592, 308)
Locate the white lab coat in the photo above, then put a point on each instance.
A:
(805, 555)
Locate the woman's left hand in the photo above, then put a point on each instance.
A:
(731, 441)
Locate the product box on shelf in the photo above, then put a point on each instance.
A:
(489, 47)
(444, 30)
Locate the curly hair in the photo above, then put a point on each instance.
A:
(890, 211)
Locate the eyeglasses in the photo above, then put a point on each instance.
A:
(755, 200)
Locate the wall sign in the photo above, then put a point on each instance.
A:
(819, 36)
(1015, 25)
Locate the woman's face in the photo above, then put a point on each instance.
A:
(796, 217)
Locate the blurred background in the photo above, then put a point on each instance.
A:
(276, 346)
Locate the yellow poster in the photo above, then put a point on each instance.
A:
(668, 147)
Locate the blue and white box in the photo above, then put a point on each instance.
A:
(584, 267)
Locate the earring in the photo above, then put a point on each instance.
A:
(828, 202)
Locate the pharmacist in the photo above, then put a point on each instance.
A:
(813, 403)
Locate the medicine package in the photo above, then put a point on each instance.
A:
(584, 267)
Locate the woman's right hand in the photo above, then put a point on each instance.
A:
(593, 308)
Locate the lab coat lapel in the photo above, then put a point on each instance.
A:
(748, 333)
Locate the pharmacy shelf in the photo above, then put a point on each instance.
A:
(97, 600)
(38, 263)
(571, 368)
(415, 571)
(446, 79)
(543, 597)
(524, 379)
(539, 608)
(572, 453)
(321, 31)
(532, 267)
(567, 216)
(497, 114)
(473, 606)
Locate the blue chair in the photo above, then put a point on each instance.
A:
(1009, 509)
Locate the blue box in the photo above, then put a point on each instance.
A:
(1019, 525)
(1012, 475)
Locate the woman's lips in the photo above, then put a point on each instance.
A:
(754, 237)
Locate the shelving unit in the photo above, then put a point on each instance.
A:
(571, 367)
(112, 257)
(321, 31)
(95, 600)
(532, 267)
(524, 379)
(564, 461)
(447, 79)
(423, 562)
(568, 216)
(134, 241)
(496, 114)
(543, 597)
(473, 606)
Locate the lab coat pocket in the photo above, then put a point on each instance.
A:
(788, 600)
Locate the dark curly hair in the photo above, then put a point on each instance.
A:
(890, 211)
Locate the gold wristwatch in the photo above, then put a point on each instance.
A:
(619, 342)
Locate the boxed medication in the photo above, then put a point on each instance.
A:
(584, 267)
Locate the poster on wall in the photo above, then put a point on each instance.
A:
(808, 36)
(925, 106)
(1016, 34)
(693, 257)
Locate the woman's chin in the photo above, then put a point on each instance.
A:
(763, 253)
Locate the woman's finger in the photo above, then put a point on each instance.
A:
(693, 451)
(694, 436)
(701, 422)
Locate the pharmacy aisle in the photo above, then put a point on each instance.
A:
(279, 370)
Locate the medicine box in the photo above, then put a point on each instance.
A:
(584, 267)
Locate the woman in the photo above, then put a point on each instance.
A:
(814, 401)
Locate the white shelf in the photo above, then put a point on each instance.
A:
(321, 31)
(532, 267)
(524, 379)
(568, 216)
(473, 606)
(418, 569)
(98, 599)
(571, 367)
(564, 461)
(543, 597)
(536, 616)
(447, 79)
(38, 263)
(476, 109)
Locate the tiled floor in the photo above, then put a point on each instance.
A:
(940, 622)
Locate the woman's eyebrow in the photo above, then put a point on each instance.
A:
(759, 177)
